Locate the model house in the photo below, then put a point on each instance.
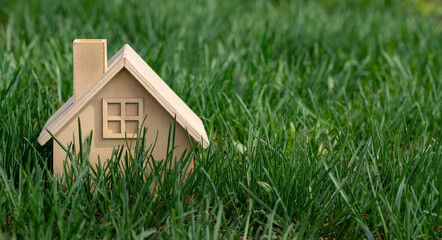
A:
(112, 99)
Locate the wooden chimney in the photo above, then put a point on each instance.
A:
(90, 62)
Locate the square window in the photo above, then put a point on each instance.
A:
(114, 126)
(122, 117)
(131, 127)
(114, 109)
(131, 109)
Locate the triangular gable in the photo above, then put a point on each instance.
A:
(127, 58)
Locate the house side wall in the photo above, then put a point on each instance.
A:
(123, 85)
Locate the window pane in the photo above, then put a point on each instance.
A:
(131, 109)
(131, 127)
(114, 109)
(114, 126)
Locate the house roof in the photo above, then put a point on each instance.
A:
(127, 58)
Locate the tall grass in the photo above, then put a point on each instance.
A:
(324, 120)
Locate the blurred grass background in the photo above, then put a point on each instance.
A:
(324, 119)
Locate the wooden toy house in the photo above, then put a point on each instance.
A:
(112, 99)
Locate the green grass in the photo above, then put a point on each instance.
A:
(324, 119)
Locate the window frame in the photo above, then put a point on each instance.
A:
(122, 118)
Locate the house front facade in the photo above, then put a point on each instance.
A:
(113, 99)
